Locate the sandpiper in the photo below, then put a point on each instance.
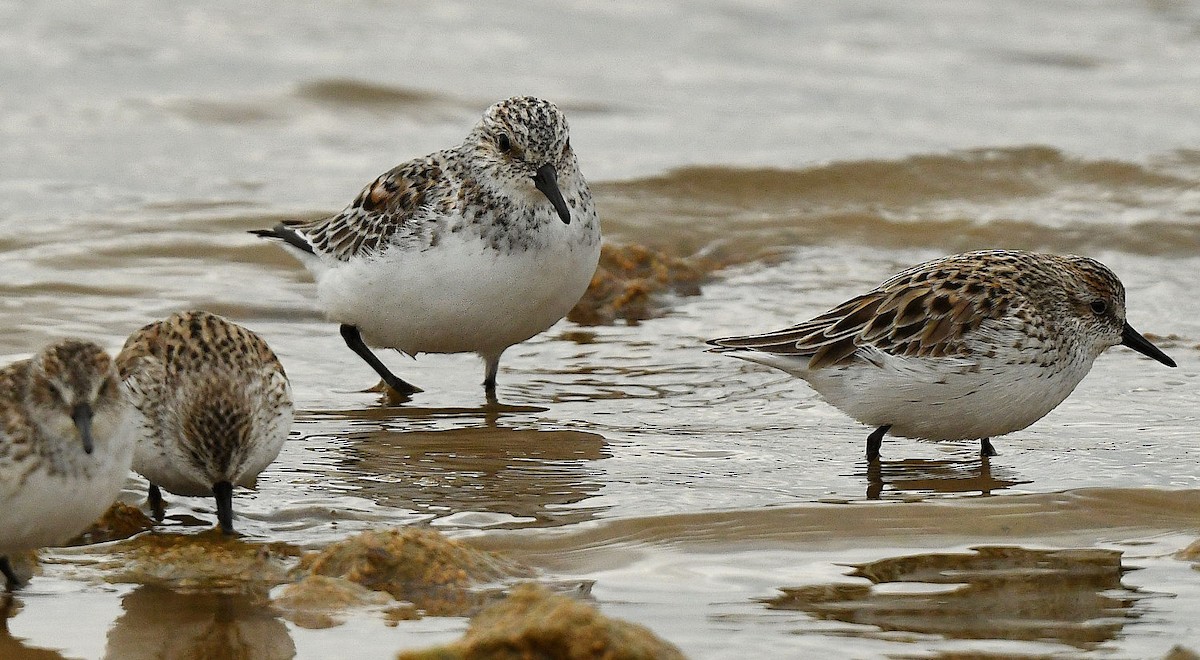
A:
(212, 403)
(970, 346)
(66, 442)
(467, 250)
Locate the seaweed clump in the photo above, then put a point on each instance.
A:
(121, 521)
(632, 283)
(421, 566)
(200, 562)
(534, 622)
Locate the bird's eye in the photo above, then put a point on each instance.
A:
(1099, 307)
(503, 142)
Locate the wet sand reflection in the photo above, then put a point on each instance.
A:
(166, 625)
(1073, 597)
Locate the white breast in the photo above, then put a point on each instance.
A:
(459, 296)
(939, 398)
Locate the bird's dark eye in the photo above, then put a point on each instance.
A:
(1099, 307)
(503, 142)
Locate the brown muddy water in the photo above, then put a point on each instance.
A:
(810, 150)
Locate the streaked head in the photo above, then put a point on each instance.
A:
(526, 142)
(1097, 300)
(71, 384)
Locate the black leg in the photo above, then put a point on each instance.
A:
(10, 576)
(354, 341)
(223, 490)
(157, 508)
(875, 440)
(986, 448)
(489, 377)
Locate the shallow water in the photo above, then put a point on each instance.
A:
(815, 150)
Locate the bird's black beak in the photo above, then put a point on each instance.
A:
(546, 180)
(82, 416)
(223, 491)
(1131, 338)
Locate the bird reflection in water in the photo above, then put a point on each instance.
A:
(916, 475)
(163, 624)
(518, 476)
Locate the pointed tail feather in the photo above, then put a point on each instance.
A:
(282, 232)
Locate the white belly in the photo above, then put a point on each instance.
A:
(49, 509)
(943, 404)
(459, 296)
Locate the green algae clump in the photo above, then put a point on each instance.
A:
(534, 623)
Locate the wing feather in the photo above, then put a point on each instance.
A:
(927, 311)
(392, 206)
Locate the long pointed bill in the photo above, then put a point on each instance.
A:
(1131, 338)
(82, 416)
(546, 180)
(223, 491)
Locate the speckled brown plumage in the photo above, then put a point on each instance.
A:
(75, 369)
(971, 346)
(454, 190)
(211, 398)
(932, 310)
(468, 249)
(66, 443)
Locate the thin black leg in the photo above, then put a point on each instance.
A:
(489, 377)
(157, 508)
(986, 448)
(354, 340)
(223, 491)
(10, 576)
(875, 440)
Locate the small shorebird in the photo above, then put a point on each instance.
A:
(967, 347)
(212, 403)
(66, 442)
(467, 250)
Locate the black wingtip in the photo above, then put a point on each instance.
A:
(282, 232)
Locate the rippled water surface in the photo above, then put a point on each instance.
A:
(810, 150)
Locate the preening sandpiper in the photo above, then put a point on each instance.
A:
(212, 404)
(967, 347)
(467, 250)
(66, 442)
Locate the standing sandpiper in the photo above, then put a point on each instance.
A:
(966, 347)
(467, 250)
